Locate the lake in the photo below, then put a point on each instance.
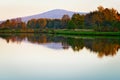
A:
(59, 57)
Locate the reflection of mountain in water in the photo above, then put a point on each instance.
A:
(103, 46)
(54, 45)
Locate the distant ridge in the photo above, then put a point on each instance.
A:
(52, 14)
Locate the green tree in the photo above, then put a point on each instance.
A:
(78, 20)
(50, 23)
(56, 23)
(71, 25)
(116, 26)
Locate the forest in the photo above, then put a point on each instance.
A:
(100, 20)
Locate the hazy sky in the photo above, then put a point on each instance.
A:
(17, 8)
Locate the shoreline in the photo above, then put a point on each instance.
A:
(63, 32)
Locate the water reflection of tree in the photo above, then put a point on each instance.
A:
(76, 43)
(104, 47)
(37, 39)
(13, 38)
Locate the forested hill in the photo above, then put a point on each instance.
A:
(52, 14)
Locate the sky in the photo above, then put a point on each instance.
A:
(19, 8)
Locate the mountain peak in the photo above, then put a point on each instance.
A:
(58, 10)
(52, 14)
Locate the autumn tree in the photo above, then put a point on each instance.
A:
(6, 24)
(41, 23)
(103, 19)
(65, 20)
(100, 8)
(13, 23)
(31, 23)
(22, 25)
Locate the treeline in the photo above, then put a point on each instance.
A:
(103, 19)
(13, 24)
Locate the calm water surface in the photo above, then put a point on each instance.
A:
(49, 57)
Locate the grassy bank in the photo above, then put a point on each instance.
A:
(86, 32)
(94, 33)
(89, 32)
